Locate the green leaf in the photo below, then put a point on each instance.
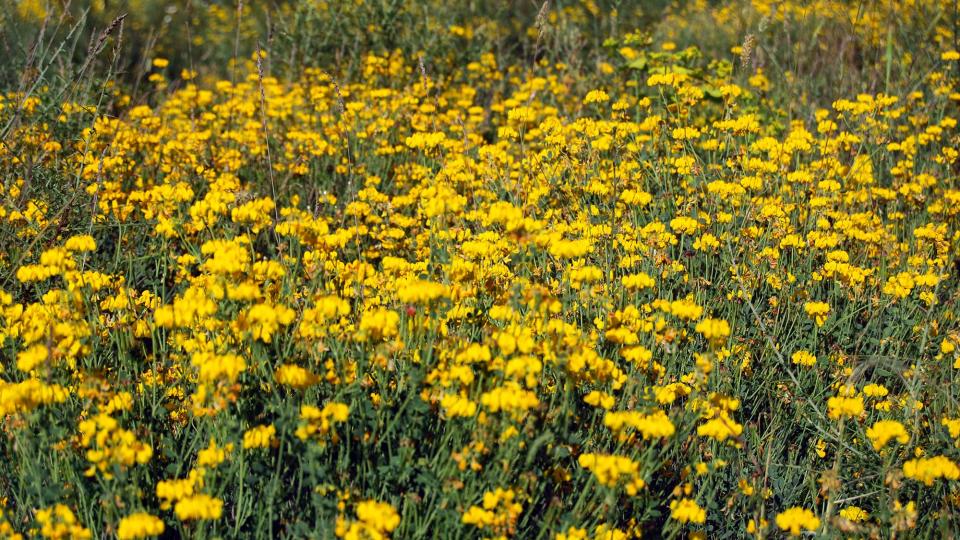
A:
(639, 63)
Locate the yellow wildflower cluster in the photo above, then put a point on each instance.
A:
(139, 525)
(498, 514)
(259, 437)
(59, 522)
(318, 423)
(613, 470)
(199, 506)
(108, 445)
(375, 521)
(687, 511)
(884, 431)
(796, 520)
(927, 470)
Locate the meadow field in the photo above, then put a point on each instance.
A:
(561, 270)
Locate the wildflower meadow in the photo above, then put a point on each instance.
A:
(561, 270)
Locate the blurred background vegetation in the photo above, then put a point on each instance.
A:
(102, 57)
(105, 56)
(815, 50)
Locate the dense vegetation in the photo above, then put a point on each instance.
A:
(565, 270)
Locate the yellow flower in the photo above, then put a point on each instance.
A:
(759, 81)
(637, 281)
(884, 430)
(83, 242)
(611, 470)
(854, 514)
(651, 426)
(375, 520)
(295, 376)
(498, 513)
(379, 516)
(458, 405)
(720, 428)
(109, 445)
(715, 330)
(794, 520)
(685, 309)
(596, 96)
(316, 423)
(572, 533)
(264, 320)
(752, 527)
(952, 425)
(510, 398)
(818, 311)
(899, 285)
(170, 491)
(139, 525)
(213, 455)
(199, 507)
(214, 367)
(59, 522)
(687, 511)
(927, 470)
(803, 358)
(259, 436)
(842, 407)
(684, 225)
(599, 399)
(378, 325)
(422, 292)
(30, 359)
(570, 249)
(685, 133)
